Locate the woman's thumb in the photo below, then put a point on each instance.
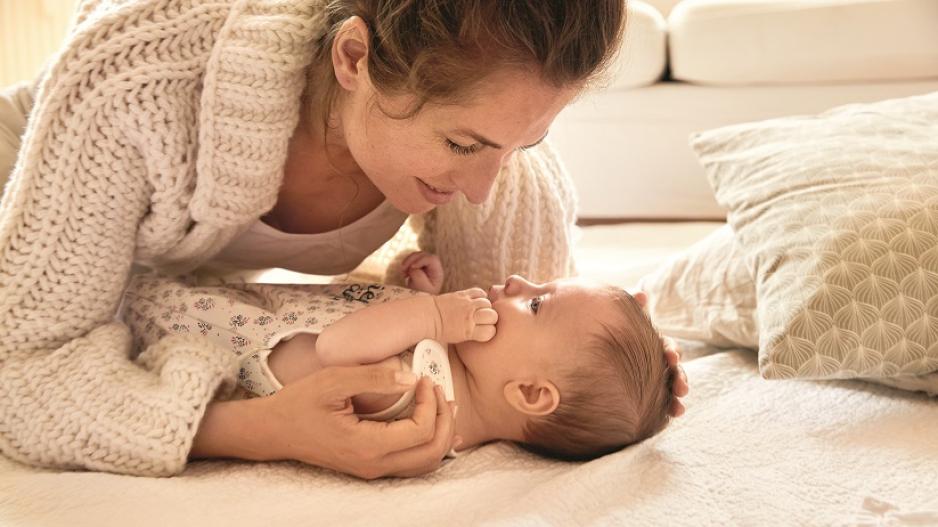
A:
(342, 382)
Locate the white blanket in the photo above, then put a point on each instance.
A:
(748, 452)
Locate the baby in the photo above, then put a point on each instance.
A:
(566, 369)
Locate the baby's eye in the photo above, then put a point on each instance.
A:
(535, 304)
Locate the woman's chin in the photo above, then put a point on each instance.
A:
(413, 205)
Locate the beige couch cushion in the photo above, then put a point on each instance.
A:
(779, 41)
(643, 58)
(663, 6)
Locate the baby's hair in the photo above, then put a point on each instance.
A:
(617, 395)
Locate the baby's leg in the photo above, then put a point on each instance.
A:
(296, 358)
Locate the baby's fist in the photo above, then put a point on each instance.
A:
(464, 315)
(423, 272)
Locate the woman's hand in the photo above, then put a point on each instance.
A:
(313, 421)
(679, 387)
(672, 354)
(464, 315)
(423, 271)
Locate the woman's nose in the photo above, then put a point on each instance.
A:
(477, 185)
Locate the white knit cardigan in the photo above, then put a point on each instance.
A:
(159, 131)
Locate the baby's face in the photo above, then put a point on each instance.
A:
(539, 329)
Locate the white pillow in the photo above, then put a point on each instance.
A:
(705, 293)
(838, 217)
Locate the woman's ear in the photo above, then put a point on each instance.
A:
(350, 53)
(539, 397)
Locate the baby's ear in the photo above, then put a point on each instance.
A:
(539, 397)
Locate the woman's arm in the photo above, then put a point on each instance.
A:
(234, 429)
(70, 395)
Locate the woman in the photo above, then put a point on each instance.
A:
(163, 132)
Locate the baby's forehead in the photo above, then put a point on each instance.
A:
(584, 289)
(585, 300)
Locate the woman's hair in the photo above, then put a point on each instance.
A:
(438, 50)
(619, 394)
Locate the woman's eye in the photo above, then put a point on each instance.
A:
(535, 304)
(460, 149)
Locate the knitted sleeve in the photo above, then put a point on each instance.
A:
(525, 227)
(72, 393)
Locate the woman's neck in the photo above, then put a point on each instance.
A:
(323, 188)
(480, 418)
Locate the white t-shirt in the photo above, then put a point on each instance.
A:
(329, 253)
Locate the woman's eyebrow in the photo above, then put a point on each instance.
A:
(479, 138)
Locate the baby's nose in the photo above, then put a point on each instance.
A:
(495, 292)
(516, 284)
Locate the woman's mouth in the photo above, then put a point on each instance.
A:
(433, 194)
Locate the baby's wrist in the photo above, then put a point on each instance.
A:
(433, 318)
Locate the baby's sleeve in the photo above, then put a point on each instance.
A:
(156, 306)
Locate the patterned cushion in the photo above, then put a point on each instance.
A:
(705, 293)
(838, 216)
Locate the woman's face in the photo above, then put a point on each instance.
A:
(423, 161)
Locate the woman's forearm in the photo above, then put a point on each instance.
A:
(234, 429)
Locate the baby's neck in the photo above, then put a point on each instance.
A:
(476, 419)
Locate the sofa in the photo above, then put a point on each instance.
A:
(692, 65)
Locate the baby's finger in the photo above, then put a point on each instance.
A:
(432, 266)
(476, 292)
(422, 259)
(481, 303)
(409, 260)
(486, 316)
(418, 279)
(483, 333)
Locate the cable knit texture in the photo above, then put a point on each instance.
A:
(159, 131)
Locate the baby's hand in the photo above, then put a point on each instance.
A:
(423, 272)
(464, 315)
